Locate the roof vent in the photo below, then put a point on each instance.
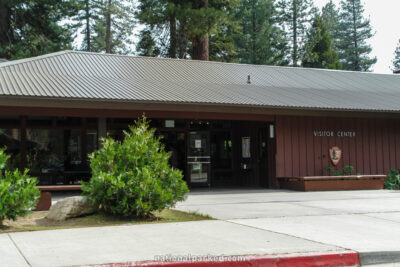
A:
(248, 79)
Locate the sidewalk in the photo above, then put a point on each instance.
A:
(250, 223)
(367, 222)
(145, 242)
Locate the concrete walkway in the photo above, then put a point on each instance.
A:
(256, 222)
(364, 221)
(146, 242)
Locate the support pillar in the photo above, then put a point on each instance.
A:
(101, 130)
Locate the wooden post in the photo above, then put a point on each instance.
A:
(101, 129)
(23, 142)
(84, 140)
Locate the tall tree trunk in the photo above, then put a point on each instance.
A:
(108, 27)
(182, 41)
(294, 56)
(87, 11)
(201, 47)
(5, 38)
(172, 36)
(253, 34)
(356, 62)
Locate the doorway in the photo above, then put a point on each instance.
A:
(221, 158)
(222, 153)
(253, 158)
(199, 159)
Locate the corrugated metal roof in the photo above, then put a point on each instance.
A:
(82, 75)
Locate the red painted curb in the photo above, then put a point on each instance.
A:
(336, 258)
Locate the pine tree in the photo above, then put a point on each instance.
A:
(296, 16)
(32, 28)
(6, 33)
(221, 40)
(396, 60)
(87, 30)
(83, 23)
(222, 47)
(190, 25)
(113, 27)
(261, 40)
(210, 25)
(146, 45)
(198, 29)
(330, 15)
(161, 18)
(318, 48)
(355, 30)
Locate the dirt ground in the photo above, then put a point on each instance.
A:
(36, 221)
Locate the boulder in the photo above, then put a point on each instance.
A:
(70, 207)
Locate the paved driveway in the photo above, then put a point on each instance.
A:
(364, 221)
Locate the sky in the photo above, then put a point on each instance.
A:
(384, 16)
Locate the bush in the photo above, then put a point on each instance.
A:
(393, 180)
(133, 177)
(329, 169)
(348, 170)
(337, 173)
(18, 191)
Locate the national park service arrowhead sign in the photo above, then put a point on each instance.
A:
(335, 153)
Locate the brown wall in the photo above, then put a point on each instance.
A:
(374, 150)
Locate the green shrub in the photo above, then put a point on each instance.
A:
(337, 173)
(132, 178)
(348, 170)
(18, 191)
(393, 180)
(329, 169)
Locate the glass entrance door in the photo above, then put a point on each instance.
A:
(198, 158)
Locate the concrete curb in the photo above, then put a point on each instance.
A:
(381, 257)
(335, 258)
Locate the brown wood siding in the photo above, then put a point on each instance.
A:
(374, 150)
(135, 113)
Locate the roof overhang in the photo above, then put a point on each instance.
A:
(132, 109)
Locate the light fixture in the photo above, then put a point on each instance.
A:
(271, 131)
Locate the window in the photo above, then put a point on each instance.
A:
(91, 139)
(11, 140)
(45, 150)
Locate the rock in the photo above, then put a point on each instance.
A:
(70, 207)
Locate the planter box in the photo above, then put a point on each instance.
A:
(332, 183)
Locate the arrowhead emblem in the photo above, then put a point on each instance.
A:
(336, 154)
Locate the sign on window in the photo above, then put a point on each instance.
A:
(197, 143)
(246, 147)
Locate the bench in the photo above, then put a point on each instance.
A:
(44, 202)
(330, 183)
